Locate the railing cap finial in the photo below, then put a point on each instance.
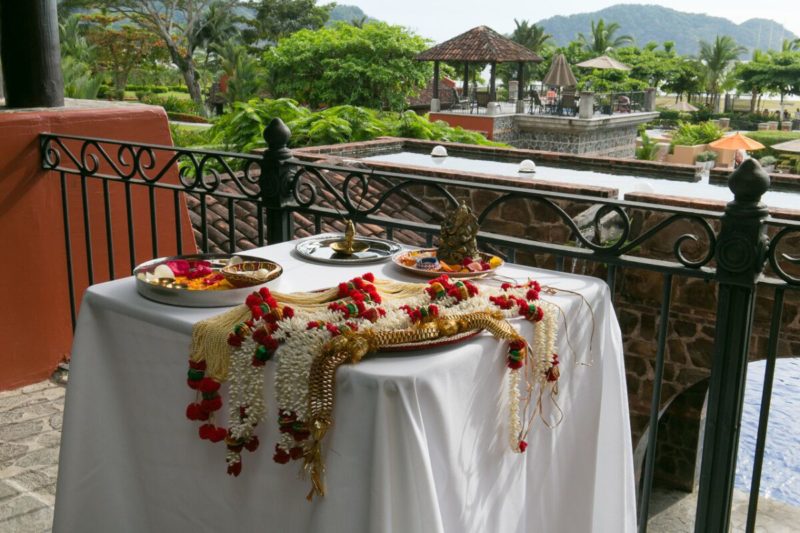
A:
(277, 134)
(749, 182)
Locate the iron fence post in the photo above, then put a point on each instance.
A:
(740, 254)
(274, 182)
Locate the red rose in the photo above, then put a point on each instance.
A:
(197, 365)
(234, 340)
(514, 365)
(264, 292)
(288, 312)
(257, 362)
(205, 431)
(296, 453)
(253, 300)
(212, 404)
(252, 444)
(280, 455)
(235, 469)
(209, 385)
(369, 277)
(523, 445)
(218, 434)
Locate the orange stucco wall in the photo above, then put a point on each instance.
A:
(35, 328)
(482, 124)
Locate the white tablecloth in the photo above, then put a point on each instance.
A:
(419, 441)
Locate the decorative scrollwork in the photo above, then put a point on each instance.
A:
(776, 258)
(200, 171)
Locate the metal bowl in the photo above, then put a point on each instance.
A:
(193, 298)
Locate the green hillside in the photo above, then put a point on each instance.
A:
(655, 23)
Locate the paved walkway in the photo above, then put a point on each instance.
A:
(30, 433)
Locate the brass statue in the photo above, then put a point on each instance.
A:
(348, 245)
(458, 237)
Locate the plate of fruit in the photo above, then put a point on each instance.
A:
(425, 263)
(203, 280)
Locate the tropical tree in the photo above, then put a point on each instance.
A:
(240, 69)
(77, 54)
(280, 18)
(532, 37)
(373, 66)
(753, 77)
(602, 40)
(179, 24)
(686, 79)
(120, 47)
(718, 58)
(790, 45)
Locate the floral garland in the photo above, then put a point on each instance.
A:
(295, 340)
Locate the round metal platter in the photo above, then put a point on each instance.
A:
(194, 298)
(318, 249)
(431, 252)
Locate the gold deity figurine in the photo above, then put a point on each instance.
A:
(348, 245)
(458, 236)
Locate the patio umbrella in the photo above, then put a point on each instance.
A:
(683, 107)
(737, 141)
(560, 75)
(788, 146)
(603, 63)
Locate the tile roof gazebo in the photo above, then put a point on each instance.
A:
(478, 45)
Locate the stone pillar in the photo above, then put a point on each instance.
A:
(435, 103)
(587, 105)
(650, 99)
(513, 89)
(31, 54)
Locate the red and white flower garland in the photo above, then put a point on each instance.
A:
(274, 331)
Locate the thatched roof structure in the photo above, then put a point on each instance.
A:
(479, 45)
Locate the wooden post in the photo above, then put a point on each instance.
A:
(521, 79)
(31, 55)
(465, 90)
(492, 93)
(436, 79)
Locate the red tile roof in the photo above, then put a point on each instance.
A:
(480, 45)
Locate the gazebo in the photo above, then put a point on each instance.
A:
(479, 45)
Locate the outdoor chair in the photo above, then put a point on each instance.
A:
(567, 106)
(481, 99)
(536, 102)
(623, 104)
(459, 103)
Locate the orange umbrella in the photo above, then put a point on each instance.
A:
(737, 141)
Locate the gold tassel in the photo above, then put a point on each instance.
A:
(210, 341)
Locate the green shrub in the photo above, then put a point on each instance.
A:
(171, 103)
(242, 129)
(706, 156)
(771, 137)
(189, 137)
(768, 160)
(692, 134)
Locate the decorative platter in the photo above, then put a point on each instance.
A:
(203, 280)
(318, 248)
(424, 263)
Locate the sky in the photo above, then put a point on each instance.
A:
(442, 19)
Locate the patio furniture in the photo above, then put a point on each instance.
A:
(481, 99)
(416, 446)
(568, 104)
(536, 102)
(460, 103)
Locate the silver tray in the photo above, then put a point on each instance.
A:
(317, 248)
(187, 298)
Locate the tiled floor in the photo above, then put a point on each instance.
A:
(30, 433)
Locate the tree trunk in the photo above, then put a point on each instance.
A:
(186, 66)
(753, 101)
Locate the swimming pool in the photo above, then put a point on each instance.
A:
(624, 183)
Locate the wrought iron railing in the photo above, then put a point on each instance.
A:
(730, 250)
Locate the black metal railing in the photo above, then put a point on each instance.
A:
(100, 177)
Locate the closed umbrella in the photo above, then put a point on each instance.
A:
(603, 63)
(560, 75)
(737, 141)
(683, 107)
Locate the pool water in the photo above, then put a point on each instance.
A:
(780, 473)
(623, 183)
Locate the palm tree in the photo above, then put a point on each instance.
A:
(790, 45)
(718, 58)
(530, 36)
(602, 38)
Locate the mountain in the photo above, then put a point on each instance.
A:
(347, 13)
(655, 23)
